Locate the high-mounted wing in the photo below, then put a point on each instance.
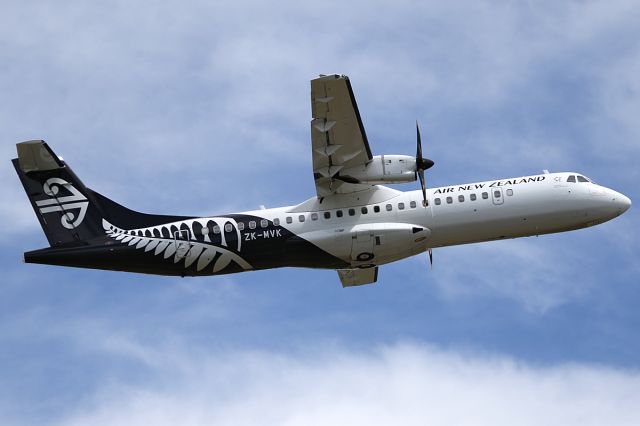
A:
(337, 135)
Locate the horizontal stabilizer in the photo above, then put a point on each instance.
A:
(37, 156)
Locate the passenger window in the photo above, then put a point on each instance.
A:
(376, 209)
(449, 200)
(437, 201)
(582, 179)
(364, 210)
(228, 227)
(339, 213)
(388, 207)
(289, 219)
(276, 221)
(497, 194)
(252, 225)
(472, 197)
(412, 204)
(485, 195)
(400, 206)
(301, 218)
(240, 226)
(327, 215)
(314, 216)
(509, 192)
(264, 223)
(461, 198)
(571, 179)
(352, 212)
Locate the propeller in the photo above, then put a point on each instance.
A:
(422, 164)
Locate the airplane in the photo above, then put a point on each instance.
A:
(354, 224)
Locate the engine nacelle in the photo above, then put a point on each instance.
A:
(382, 169)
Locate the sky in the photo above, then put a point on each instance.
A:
(202, 108)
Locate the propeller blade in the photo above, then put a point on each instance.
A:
(423, 186)
(431, 259)
(421, 163)
(418, 143)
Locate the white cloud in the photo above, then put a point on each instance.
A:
(405, 384)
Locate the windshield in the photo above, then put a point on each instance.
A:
(578, 178)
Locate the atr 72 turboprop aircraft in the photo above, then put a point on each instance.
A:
(352, 225)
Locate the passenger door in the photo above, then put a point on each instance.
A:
(497, 195)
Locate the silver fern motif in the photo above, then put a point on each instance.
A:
(188, 240)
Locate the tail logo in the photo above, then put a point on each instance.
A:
(66, 204)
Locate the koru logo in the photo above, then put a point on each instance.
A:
(67, 205)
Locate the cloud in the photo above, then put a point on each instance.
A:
(409, 384)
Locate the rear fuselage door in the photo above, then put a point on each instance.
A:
(181, 240)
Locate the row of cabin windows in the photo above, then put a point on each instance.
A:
(473, 197)
(301, 218)
(350, 212)
(264, 223)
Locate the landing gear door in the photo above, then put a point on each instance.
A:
(181, 240)
(362, 247)
(497, 196)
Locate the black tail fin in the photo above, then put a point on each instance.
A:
(67, 210)
(62, 203)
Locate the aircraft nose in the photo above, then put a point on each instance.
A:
(625, 203)
(622, 202)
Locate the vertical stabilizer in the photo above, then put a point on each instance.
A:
(65, 208)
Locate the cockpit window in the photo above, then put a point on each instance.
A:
(571, 179)
(582, 179)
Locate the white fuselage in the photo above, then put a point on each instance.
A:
(383, 225)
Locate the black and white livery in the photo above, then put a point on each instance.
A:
(354, 224)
